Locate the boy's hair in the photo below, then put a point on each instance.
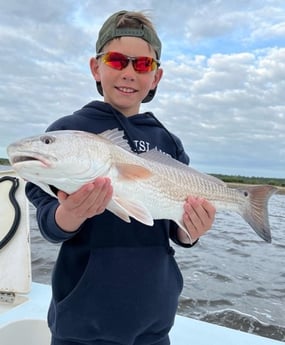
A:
(127, 23)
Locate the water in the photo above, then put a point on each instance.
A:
(231, 277)
(234, 279)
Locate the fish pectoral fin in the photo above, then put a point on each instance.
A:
(132, 171)
(134, 209)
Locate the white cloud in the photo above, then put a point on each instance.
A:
(235, 110)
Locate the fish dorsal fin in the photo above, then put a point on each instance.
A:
(162, 158)
(116, 137)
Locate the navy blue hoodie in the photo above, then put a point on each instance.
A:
(113, 282)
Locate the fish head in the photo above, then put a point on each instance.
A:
(63, 159)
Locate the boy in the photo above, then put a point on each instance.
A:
(116, 282)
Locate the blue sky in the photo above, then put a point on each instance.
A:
(224, 74)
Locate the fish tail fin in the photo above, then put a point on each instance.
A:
(256, 215)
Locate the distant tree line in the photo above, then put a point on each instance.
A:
(4, 161)
(251, 180)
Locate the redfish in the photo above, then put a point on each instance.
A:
(147, 186)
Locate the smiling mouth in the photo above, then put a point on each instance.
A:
(126, 90)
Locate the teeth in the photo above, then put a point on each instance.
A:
(126, 90)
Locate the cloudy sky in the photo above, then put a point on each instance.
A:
(223, 90)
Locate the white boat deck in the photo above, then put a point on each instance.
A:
(25, 324)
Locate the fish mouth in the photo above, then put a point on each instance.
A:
(30, 158)
(19, 159)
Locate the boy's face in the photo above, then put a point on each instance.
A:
(125, 89)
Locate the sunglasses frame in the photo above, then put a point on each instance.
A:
(126, 60)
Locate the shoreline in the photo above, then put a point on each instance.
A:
(280, 190)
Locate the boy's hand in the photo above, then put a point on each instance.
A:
(90, 200)
(198, 218)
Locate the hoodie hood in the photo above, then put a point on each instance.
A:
(143, 131)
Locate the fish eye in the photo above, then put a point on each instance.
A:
(47, 139)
